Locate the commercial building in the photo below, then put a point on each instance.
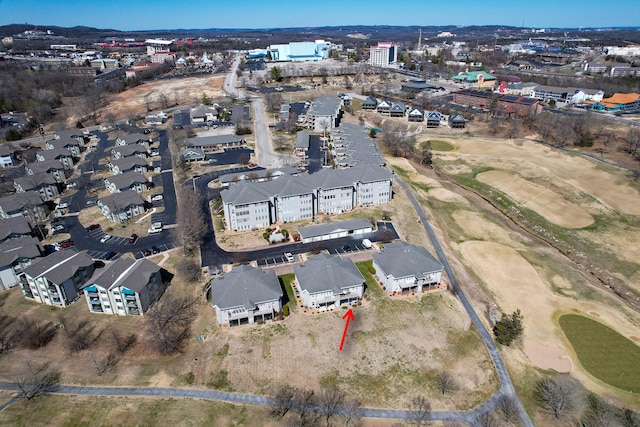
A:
(507, 105)
(300, 51)
(385, 54)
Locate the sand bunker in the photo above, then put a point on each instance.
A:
(517, 285)
(550, 205)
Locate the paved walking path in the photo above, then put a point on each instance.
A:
(506, 386)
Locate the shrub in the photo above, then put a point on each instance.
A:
(12, 135)
(371, 269)
(265, 235)
(285, 310)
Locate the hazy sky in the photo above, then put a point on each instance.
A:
(193, 14)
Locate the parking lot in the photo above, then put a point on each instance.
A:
(268, 262)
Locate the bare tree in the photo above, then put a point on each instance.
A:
(557, 396)
(283, 400)
(397, 139)
(122, 343)
(506, 410)
(170, 323)
(190, 221)
(35, 379)
(630, 418)
(105, 363)
(419, 412)
(485, 420)
(190, 270)
(352, 412)
(8, 338)
(273, 100)
(305, 402)
(331, 399)
(80, 334)
(446, 382)
(598, 412)
(33, 333)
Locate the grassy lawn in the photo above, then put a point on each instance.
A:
(374, 292)
(440, 145)
(603, 352)
(286, 280)
(109, 411)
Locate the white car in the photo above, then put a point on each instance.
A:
(289, 256)
(154, 230)
(155, 153)
(157, 197)
(62, 206)
(105, 238)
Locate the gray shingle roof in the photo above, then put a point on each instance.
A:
(129, 150)
(400, 259)
(120, 201)
(130, 273)
(59, 266)
(47, 165)
(209, 141)
(324, 105)
(14, 225)
(302, 139)
(18, 201)
(134, 138)
(126, 163)
(127, 179)
(29, 182)
(322, 272)
(12, 250)
(56, 153)
(245, 286)
(324, 229)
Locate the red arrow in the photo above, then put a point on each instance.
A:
(349, 316)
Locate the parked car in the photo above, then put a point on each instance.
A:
(58, 228)
(157, 197)
(155, 250)
(109, 255)
(66, 244)
(147, 252)
(289, 256)
(154, 230)
(105, 238)
(133, 238)
(366, 243)
(346, 247)
(62, 206)
(155, 153)
(91, 202)
(93, 227)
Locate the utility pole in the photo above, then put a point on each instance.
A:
(420, 41)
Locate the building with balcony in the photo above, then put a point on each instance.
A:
(126, 287)
(128, 181)
(53, 167)
(325, 113)
(15, 256)
(119, 207)
(246, 295)
(28, 204)
(44, 183)
(62, 154)
(128, 164)
(326, 282)
(403, 268)
(57, 279)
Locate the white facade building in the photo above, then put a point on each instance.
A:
(385, 54)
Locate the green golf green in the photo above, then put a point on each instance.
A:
(603, 352)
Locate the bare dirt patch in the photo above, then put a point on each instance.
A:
(177, 91)
(545, 202)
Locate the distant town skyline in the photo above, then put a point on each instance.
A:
(147, 15)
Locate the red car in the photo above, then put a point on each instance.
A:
(133, 238)
(66, 244)
(93, 227)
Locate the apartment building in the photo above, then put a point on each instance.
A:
(126, 287)
(57, 279)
